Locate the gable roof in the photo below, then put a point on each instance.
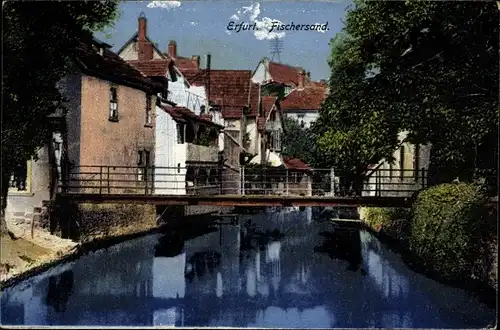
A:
(109, 66)
(153, 68)
(134, 38)
(294, 163)
(229, 89)
(181, 114)
(183, 62)
(308, 98)
(267, 103)
(282, 73)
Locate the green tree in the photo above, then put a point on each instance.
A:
(298, 142)
(38, 42)
(428, 68)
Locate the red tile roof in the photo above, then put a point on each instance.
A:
(229, 89)
(183, 62)
(193, 76)
(283, 73)
(319, 84)
(152, 68)
(308, 98)
(294, 163)
(181, 114)
(267, 104)
(111, 67)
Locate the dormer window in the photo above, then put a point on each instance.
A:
(113, 104)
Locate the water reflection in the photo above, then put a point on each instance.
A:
(59, 290)
(280, 269)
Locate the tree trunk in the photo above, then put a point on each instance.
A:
(5, 189)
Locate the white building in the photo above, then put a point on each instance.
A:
(188, 135)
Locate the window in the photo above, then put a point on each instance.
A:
(402, 162)
(416, 161)
(148, 110)
(20, 178)
(144, 162)
(180, 133)
(113, 104)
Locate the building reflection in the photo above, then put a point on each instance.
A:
(271, 270)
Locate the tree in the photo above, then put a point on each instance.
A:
(298, 142)
(39, 38)
(428, 68)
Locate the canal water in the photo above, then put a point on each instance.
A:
(274, 269)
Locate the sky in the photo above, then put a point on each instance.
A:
(200, 27)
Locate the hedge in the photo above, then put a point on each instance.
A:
(388, 219)
(449, 230)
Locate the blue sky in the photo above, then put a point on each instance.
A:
(200, 27)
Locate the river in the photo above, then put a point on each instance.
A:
(274, 269)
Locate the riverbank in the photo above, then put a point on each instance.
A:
(483, 292)
(27, 256)
(43, 257)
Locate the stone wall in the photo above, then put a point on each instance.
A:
(85, 222)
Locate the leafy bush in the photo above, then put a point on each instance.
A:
(391, 220)
(449, 229)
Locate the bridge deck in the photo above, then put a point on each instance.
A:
(238, 200)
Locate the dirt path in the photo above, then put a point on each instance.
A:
(26, 252)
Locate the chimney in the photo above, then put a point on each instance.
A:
(302, 77)
(144, 47)
(143, 24)
(172, 49)
(196, 61)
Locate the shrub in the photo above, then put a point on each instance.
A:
(392, 220)
(448, 230)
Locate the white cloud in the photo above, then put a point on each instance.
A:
(228, 33)
(235, 17)
(253, 11)
(263, 25)
(193, 23)
(168, 4)
(319, 30)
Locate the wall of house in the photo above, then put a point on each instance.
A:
(169, 154)
(108, 143)
(21, 204)
(129, 53)
(71, 88)
(407, 180)
(253, 134)
(191, 97)
(307, 116)
(260, 75)
(119, 142)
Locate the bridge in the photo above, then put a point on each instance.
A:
(217, 185)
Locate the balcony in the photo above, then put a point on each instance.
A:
(197, 153)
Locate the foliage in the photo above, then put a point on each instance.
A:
(392, 220)
(429, 68)
(298, 142)
(449, 228)
(208, 136)
(37, 45)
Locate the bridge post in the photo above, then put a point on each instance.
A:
(332, 181)
(109, 189)
(242, 180)
(286, 182)
(100, 180)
